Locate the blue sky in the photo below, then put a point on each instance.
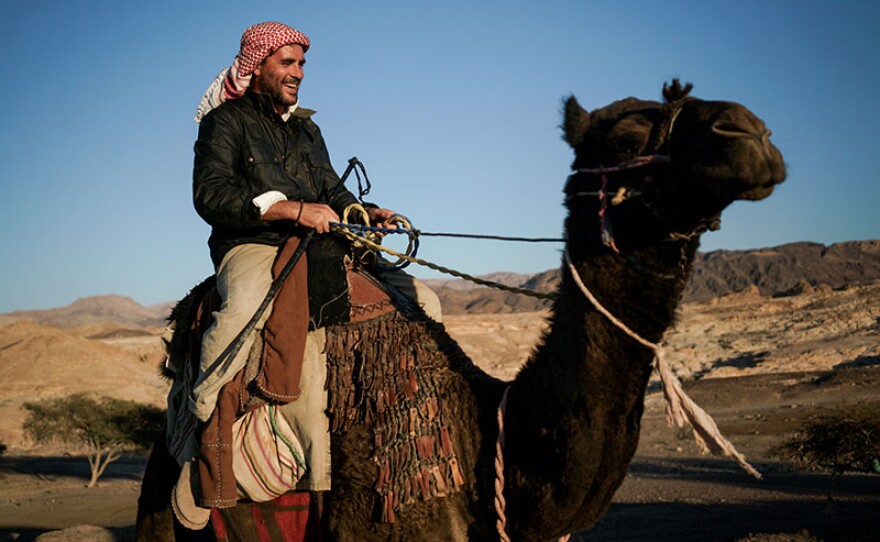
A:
(452, 106)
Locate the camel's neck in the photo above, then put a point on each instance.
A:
(641, 289)
(574, 410)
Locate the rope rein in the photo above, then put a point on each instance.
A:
(493, 237)
(418, 233)
(346, 231)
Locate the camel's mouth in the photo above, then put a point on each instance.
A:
(754, 181)
(757, 193)
(758, 184)
(763, 171)
(773, 175)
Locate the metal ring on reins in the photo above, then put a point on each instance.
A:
(373, 234)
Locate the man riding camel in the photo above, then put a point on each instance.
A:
(261, 175)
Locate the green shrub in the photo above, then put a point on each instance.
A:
(106, 426)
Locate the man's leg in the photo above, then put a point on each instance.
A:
(416, 290)
(308, 415)
(243, 278)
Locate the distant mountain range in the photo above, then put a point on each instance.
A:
(773, 271)
(95, 310)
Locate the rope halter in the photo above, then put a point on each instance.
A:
(624, 193)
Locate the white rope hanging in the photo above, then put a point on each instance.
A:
(679, 406)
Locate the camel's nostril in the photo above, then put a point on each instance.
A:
(729, 129)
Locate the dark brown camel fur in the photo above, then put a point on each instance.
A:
(573, 413)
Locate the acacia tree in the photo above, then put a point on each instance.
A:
(847, 439)
(106, 426)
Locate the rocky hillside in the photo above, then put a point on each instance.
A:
(773, 271)
(777, 270)
(40, 361)
(98, 309)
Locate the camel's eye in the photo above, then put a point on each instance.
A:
(629, 137)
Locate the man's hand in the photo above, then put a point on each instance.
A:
(310, 215)
(380, 217)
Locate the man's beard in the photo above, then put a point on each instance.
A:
(279, 97)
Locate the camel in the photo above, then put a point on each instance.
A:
(572, 416)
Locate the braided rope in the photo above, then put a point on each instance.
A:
(372, 233)
(343, 229)
(357, 207)
(500, 503)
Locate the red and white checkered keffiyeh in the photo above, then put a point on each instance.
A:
(257, 42)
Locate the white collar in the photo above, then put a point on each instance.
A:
(289, 112)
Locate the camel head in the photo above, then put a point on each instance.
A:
(702, 156)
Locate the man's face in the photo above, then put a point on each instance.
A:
(280, 75)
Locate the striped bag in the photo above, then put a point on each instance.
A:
(267, 457)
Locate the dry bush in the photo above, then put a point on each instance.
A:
(846, 439)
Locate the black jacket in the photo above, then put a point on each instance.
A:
(245, 149)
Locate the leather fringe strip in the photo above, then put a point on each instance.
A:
(385, 373)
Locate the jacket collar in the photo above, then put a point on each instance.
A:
(263, 104)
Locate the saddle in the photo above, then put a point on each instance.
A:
(382, 372)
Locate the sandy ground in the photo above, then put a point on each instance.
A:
(671, 493)
(760, 366)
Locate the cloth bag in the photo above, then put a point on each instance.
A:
(268, 459)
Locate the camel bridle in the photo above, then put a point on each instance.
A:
(647, 189)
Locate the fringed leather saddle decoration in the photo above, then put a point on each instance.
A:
(384, 366)
(384, 373)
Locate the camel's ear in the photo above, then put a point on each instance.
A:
(575, 122)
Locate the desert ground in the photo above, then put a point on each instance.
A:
(761, 366)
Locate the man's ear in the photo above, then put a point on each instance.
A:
(256, 71)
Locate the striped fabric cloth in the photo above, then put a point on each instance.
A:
(292, 517)
(267, 456)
